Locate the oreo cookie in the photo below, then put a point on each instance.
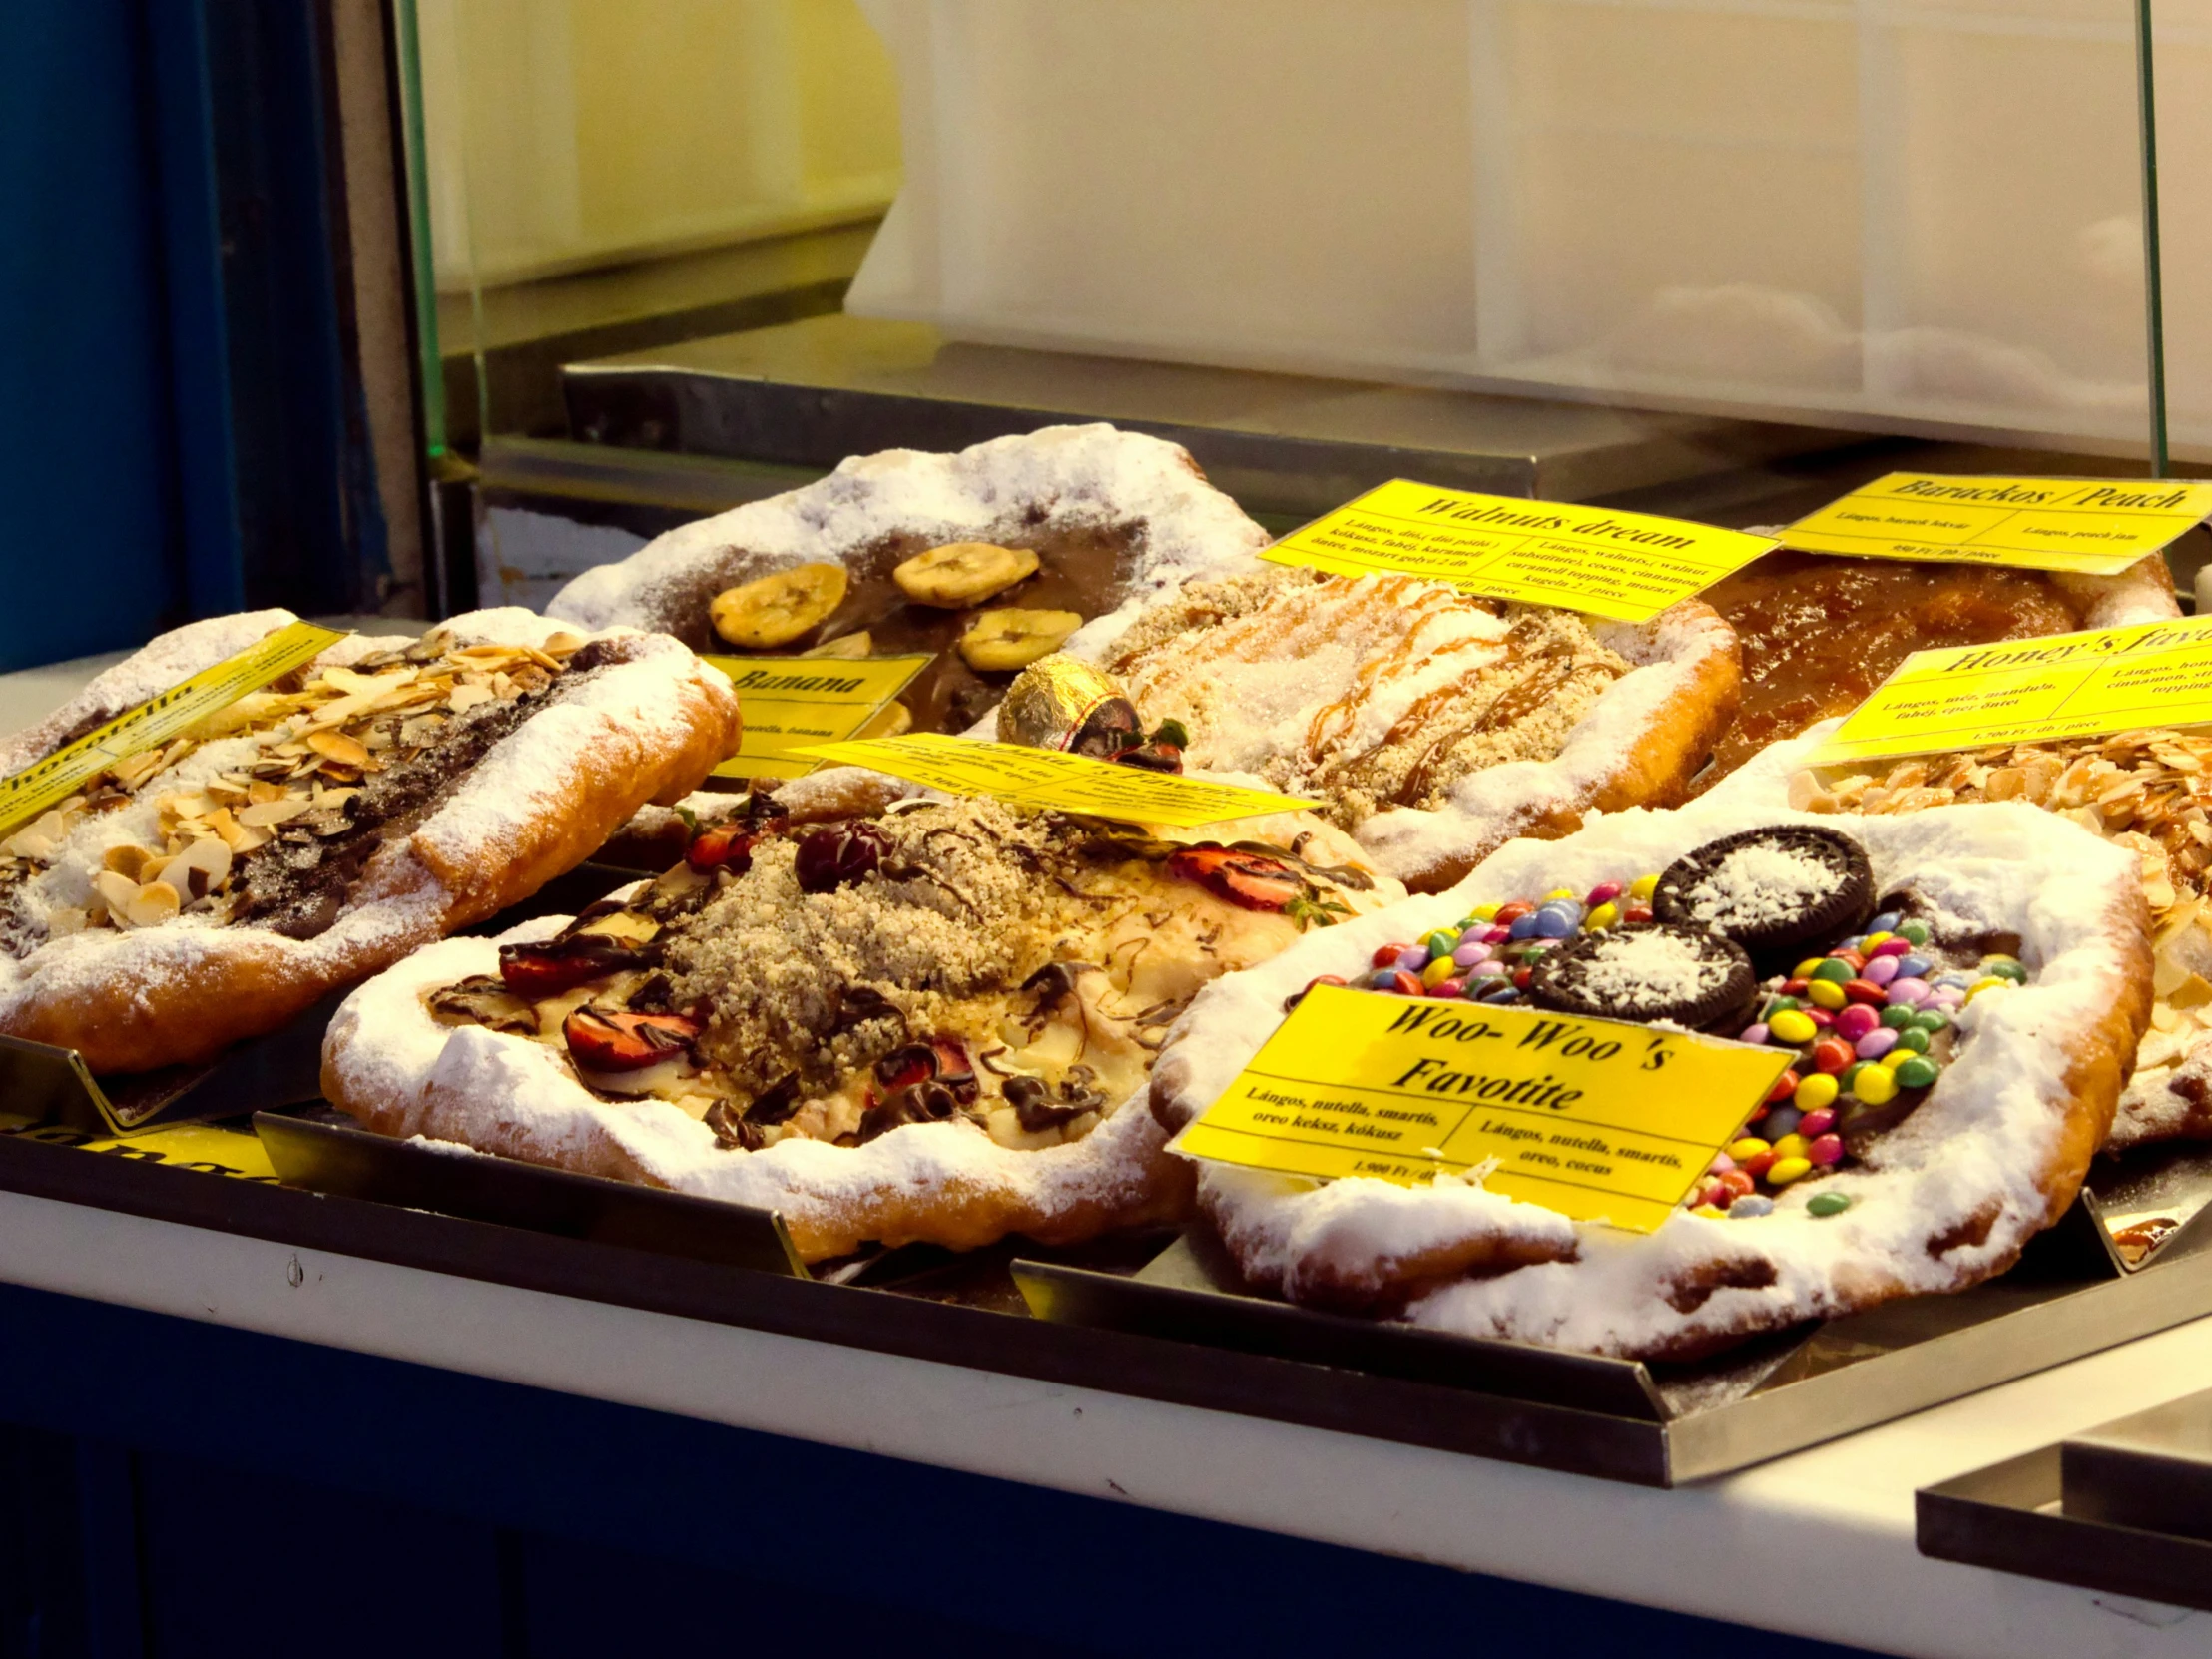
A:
(1648, 971)
(1781, 893)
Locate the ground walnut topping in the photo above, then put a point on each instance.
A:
(265, 810)
(1381, 692)
(953, 962)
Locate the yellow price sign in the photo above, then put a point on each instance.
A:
(1627, 566)
(2017, 691)
(43, 784)
(205, 1147)
(1046, 778)
(1596, 1119)
(2092, 527)
(789, 703)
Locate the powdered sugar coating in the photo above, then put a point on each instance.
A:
(1983, 1138)
(1648, 970)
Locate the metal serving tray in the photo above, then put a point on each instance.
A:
(1662, 1425)
(1153, 1317)
(2125, 1508)
(1622, 1419)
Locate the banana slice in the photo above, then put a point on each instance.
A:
(1013, 638)
(962, 573)
(861, 644)
(892, 720)
(778, 609)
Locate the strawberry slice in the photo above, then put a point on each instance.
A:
(552, 966)
(1250, 880)
(955, 1069)
(602, 1041)
(723, 847)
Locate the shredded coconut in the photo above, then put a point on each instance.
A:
(1755, 886)
(1639, 969)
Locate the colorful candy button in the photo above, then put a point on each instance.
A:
(1856, 1021)
(1876, 1085)
(1814, 1092)
(1792, 1026)
(1918, 1072)
(1875, 1043)
(1827, 1204)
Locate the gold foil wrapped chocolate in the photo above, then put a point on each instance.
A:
(1060, 703)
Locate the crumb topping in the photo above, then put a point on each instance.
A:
(951, 962)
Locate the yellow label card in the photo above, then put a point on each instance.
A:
(43, 784)
(197, 1146)
(790, 702)
(1627, 566)
(1047, 778)
(2062, 685)
(1596, 1119)
(2094, 526)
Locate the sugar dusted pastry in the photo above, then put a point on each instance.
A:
(1435, 724)
(1955, 1059)
(955, 555)
(387, 793)
(2148, 793)
(929, 1025)
(1820, 631)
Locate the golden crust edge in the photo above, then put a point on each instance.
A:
(2101, 1045)
(249, 983)
(1655, 766)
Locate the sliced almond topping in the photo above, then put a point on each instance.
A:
(333, 798)
(115, 892)
(127, 859)
(419, 730)
(353, 682)
(29, 843)
(338, 746)
(154, 906)
(468, 695)
(132, 771)
(263, 814)
(564, 643)
(200, 867)
(267, 790)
